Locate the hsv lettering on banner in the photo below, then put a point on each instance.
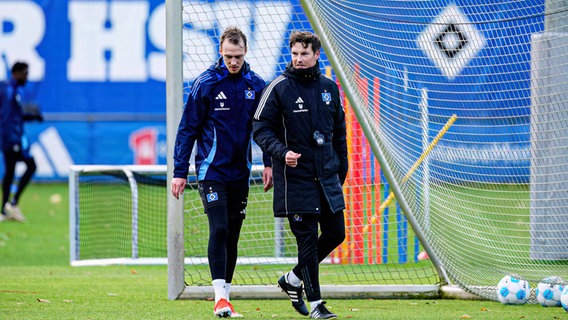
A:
(125, 41)
(89, 58)
(22, 28)
(115, 48)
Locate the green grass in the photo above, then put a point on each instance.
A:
(36, 282)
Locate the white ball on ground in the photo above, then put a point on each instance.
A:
(549, 290)
(513, 290)
(564, 298)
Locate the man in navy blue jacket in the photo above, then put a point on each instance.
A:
(14, 143)
(218, 115)
(300, 122)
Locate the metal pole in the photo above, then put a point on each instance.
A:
(174, 105)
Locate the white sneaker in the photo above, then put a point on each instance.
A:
(14, 213)
(3, 217)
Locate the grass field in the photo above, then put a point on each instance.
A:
(36, 282)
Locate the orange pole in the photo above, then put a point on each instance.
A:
(341, 253)
(348, 188)
(377, 177)
(359, 179)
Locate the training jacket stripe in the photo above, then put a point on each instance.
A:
(266, 94)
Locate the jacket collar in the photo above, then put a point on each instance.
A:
(310, 74)
(222, 72)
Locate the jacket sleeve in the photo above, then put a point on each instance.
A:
(340, 140)
(266, 160)
(190, 126)
(267, 120)
(3, 115)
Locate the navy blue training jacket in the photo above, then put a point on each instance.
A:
(218, 116)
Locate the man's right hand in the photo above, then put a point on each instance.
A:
(178, 186)
(292, 158)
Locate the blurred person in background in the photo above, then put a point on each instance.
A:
(14, 143)
(218, 116)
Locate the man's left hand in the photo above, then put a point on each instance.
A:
(267, 178)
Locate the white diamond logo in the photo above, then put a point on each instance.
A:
(451, 41)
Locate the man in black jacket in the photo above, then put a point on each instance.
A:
(300, 123)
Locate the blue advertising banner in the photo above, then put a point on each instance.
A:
(97, 72)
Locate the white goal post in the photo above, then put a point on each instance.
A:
(105, 203)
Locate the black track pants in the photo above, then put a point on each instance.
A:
(313, 249)
(225, 208)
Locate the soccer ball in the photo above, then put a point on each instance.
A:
(564, 298)
(549, 290)
(513, 290)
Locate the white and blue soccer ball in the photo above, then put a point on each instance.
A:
(549, 290)
(513, 290)
(564, 298)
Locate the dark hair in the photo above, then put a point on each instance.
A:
(306, 38)
(19, 66)
(234, 35)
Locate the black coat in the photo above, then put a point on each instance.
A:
(292, 107)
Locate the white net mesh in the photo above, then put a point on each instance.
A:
(490, 197)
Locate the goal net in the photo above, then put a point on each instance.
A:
(489, 80)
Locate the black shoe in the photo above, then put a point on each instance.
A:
(321, 312)
(295, 295)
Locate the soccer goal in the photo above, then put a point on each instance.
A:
(458, 109)
(385, 259)
(117, 215)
